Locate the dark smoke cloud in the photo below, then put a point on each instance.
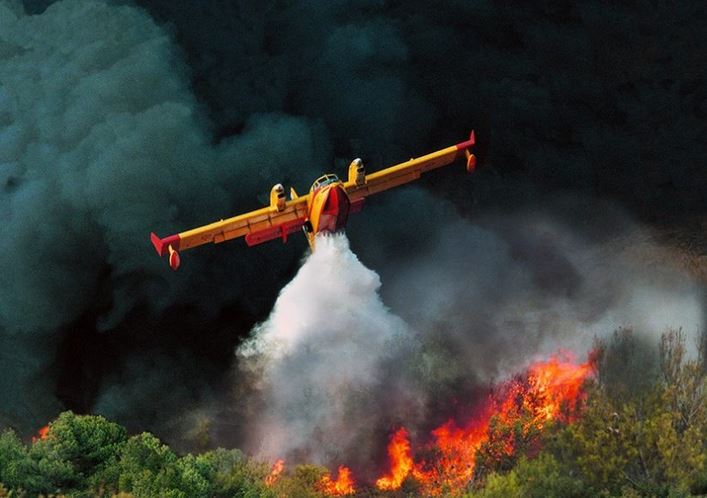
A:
(123, 124)
(604, 98)
(102, 142)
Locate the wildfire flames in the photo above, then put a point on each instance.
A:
(400, 461)
(343, 485)
(548, 391)
(274, 475)
(42, 434)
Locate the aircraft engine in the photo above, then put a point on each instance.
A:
(357, 172)
(277, 197)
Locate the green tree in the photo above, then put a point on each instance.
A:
(302, 483)
(651, 442)
(234, 476)
(685, 398)
(86, 441)
(75, 449)
(540, 477)
(627, 365)
(147, 468)
(13, 460)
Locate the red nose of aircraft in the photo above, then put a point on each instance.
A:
(335, 211)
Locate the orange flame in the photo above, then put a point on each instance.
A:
(401, 462)
(552, 385)
(343, 485)
(274, 475)
(455, 455)
(550, 390)
(42, 434)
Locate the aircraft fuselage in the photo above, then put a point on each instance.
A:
(328, 208)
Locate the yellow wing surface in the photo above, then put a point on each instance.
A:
(360, 186)
(283, 217)
(279, 219)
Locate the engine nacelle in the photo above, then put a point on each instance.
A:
(357, 172)
(277, 197)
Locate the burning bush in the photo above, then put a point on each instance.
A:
(506, 425)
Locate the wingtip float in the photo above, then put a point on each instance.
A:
(324, 209)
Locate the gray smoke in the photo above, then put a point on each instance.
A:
(101, 142)
(514, 288)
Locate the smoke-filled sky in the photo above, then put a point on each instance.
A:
(120, 118)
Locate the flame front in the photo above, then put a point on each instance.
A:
(454, 451)
(401, 462)
(550, 390)
(343, 485)
(553, 385)
(42, 434)
(274, 474)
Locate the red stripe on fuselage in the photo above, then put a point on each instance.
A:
(335, 211)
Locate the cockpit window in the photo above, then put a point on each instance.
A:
(323, 181)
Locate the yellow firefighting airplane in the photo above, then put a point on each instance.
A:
(324, 209)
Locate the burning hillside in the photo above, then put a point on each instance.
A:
(444, 462)
(510, 445)
(349, 399)
(548, 391)
(386, 403)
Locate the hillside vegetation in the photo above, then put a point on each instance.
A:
(642, 432)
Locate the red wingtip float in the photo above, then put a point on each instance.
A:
(168, 245)
(324, 209)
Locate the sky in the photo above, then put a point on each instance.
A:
(121, 118)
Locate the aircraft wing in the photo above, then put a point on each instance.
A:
(257, 226)
(408, 171)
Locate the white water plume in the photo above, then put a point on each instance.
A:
(324, 355)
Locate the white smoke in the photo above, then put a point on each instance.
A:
(527, 285)
(324, 354)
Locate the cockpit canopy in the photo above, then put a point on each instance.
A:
(323, 181)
